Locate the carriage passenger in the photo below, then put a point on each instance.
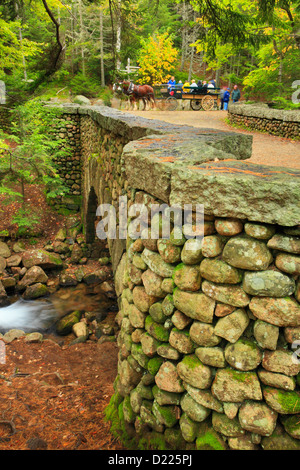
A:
(185, 87)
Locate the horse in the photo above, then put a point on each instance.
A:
(139, 92)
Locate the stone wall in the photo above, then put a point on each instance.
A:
(262, 118)
(207, 330)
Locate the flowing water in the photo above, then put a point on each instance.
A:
(42, 314)
(28, 316)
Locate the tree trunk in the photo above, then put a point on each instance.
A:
(81, 38)
(101, 47)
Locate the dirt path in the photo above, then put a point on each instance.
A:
(267, 149)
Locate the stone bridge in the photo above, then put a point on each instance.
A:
(207, 331)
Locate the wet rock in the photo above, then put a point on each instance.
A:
(227, 294)
(32, 276)
(65, 324)
(35, 291)
(235, 386)
(218, 271)
(67, 280)
(4, 250)
(34, 337)
(97, 276)
(247, 253)
(268, 284)
(277, 311)
(243, 355)
(2, 264)
(80, 329)
(3, 295)
(41, 258)
(195, 305)
(192, 371)
(232, 326)
(13, 261)
(13, 334)
(285, 243)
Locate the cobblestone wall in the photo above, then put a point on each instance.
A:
(208, 330)
(261, 118)
(206, 342)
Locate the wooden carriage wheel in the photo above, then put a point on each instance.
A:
(171, 103)
(196, 105)
(161, 103)
(208, 103)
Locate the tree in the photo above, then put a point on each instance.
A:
(157, 59)
(30, 159)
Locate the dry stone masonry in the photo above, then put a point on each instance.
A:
(209, 330)
(262, 118)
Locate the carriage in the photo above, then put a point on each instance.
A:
(199, 97)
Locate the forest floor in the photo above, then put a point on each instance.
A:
(267, 149)
(53, 396)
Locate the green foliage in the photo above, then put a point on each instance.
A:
(84, 85)
(29, 158)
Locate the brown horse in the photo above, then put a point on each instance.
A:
(139, 92)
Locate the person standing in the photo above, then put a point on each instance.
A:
(236, 94)
(222, 93)
(226, 99)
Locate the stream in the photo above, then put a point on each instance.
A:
(42, 314)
